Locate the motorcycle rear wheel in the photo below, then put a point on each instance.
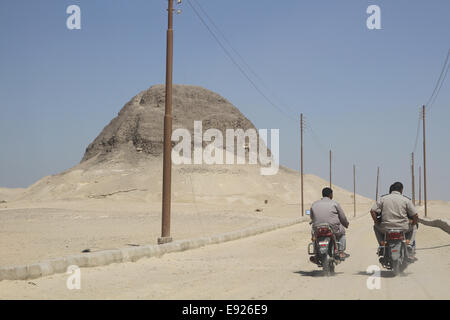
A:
(396, 267)
(328, 265)
(331, 268)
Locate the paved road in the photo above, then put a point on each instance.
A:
(268, 266)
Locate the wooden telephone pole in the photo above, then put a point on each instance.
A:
(331, 185)
(167, 165)
(412, 180)
(420, 186)
(424, 163)
(378, 179)
(301, 162)
(354, 190)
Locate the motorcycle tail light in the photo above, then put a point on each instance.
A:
(394, 236)
(323, 232)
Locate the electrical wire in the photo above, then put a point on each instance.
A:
(308, 129)
(233, 60)
(434, 95)
(315, 139)
(440, 82)
(440, 86)
(418, 131)
(243, 60)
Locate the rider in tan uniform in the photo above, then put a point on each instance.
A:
(397, 212)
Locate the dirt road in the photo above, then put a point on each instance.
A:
(269, 266)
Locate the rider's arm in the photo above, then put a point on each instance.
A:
(377, 207)
(373, 213)
(412, 212)
(342, 217)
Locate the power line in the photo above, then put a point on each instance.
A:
(309, 130)
(439, 83)
(244, 73)
(434, 95)
(417, 133)
(243, 60)
(440, 86)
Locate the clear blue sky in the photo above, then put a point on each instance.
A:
(359, 89)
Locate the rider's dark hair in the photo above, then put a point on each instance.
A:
(327, 192)
(397, 186)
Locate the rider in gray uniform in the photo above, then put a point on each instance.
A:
(326, 210)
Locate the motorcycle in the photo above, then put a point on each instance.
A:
(395, 251)
(324, 250)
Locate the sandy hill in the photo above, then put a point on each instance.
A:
(125, 161)
(10, 194)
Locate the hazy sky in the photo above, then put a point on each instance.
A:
(360, 89)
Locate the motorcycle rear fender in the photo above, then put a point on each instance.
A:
(322, 248)
(396, 250)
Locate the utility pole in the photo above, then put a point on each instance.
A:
(331, 185)
(378, 179)
(301, 162)
(420, 186)
(167, 166)
(424, 163)
(354, 191)
(412, 180)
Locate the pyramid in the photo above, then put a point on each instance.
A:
(139, 127)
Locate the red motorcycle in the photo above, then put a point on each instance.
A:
(395, 251)
(324, 250)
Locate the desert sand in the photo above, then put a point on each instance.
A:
(39, 229)
(273, 265)
(9, 194)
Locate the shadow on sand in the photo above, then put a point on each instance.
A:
(431, 248)
(315, 273)
(383, 274)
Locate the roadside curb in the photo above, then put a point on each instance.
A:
(437, 223)
(102, 258)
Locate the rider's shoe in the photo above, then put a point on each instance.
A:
(342, 256)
